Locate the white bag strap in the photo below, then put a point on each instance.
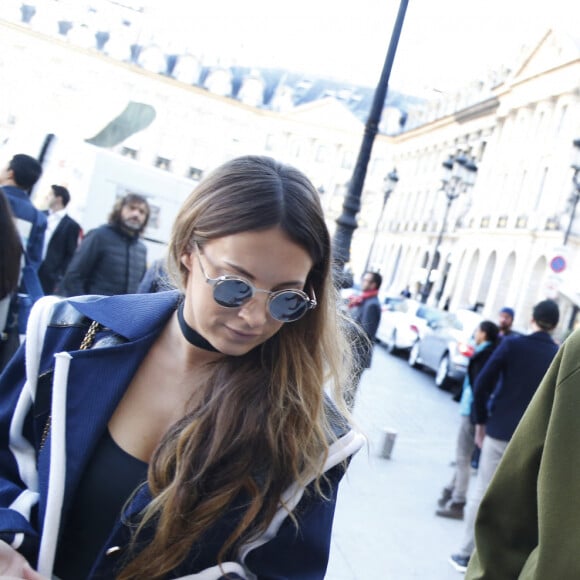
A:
(35, 332)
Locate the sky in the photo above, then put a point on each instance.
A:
(443, 43)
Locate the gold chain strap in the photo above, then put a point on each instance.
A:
(86, 343)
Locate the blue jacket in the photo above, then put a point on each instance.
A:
(508, 381)
(31, 223)
(36, 489)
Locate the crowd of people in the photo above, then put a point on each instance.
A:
(511, 521)
(192, 419)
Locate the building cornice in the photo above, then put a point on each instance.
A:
(480, 109)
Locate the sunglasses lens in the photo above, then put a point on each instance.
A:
(231, 293)
(288, 306)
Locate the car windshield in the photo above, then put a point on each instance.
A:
(461, 320)
(429, 313)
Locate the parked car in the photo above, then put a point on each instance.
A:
(445, 347)
(403, 322)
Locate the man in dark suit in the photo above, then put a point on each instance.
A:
(502, 392)
(60, 241)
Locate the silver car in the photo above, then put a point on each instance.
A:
(403, 322)
(446, 346)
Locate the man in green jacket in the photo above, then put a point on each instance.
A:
(528, 523)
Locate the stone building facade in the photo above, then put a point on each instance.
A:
(500, 239)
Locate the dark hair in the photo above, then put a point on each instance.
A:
(10, 249)
(115, 215)
(546, 314)
(377, 278)
(490, 329)
(25, 171)
(62, 192)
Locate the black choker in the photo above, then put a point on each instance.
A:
(192, 336)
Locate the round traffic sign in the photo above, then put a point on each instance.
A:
(558, 264)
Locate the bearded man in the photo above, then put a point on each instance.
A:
(111, 259)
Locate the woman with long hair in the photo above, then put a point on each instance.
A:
(195, 433)
(10, 257)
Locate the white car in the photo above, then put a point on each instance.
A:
(403, 322)
(446, 346)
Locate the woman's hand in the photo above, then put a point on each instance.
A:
(13, 566)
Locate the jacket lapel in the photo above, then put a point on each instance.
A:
(99, 377)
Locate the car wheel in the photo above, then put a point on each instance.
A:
(414, 355)
(392, 343)
(442, 379)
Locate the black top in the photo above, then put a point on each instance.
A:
(110, 478)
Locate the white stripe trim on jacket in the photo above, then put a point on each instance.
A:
(23, 450)
(340, 450)
(57, 474)
(217, 572)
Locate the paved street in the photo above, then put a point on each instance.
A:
(385, 525)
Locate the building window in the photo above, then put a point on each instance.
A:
(322, 154)
(129, 152)
(543, 179)
(194, 173)
(347, 160)
(522, 221)
(163, 163)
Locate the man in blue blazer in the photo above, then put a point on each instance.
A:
(60, 241)
(17, 180)
(502, 392)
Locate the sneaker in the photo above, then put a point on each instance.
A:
(445, 497)
(459, 562)
(453, 510)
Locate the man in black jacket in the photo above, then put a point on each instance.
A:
(111, 259)
(60, 241)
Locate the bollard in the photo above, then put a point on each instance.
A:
(388, 443)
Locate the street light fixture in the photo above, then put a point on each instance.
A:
(459, 174)
(575, 197)
(390, 182)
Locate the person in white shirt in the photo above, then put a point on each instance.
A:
(60, 240)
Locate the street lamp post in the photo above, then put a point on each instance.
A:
(575, 197)
(390, 182)
(346, 222)
(458, 177)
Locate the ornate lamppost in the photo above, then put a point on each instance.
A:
(346, 222)
(458, 177)
(389, 183)
(575, 197)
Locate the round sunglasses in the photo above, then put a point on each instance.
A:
(233, 292)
